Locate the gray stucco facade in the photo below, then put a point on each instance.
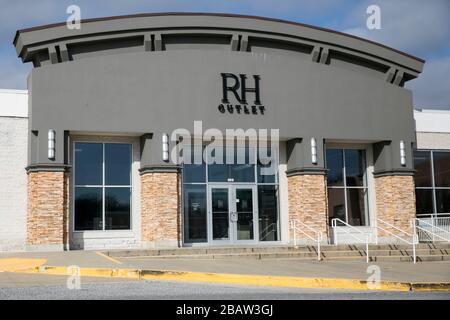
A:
(146, 75)
(115, 76)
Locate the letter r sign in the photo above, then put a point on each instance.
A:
(232, 83)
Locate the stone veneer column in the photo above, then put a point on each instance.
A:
(307, 195)
(160, 209)
(396, 201)
(47, 204)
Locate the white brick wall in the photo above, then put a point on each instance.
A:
(13, 182)
(13, 178)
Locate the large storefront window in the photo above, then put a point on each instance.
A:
(347, 186)
(102, 186)
(432, 179)
(214, 191)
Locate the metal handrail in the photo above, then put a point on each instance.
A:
(318, 234)
(272, 225)
(439, 220)
(348, 226)
(414, 236)
(433, 214)
(433, 233)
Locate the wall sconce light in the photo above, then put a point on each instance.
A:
(165, 147)
(313, 151)
(402, 153)
(51, 144)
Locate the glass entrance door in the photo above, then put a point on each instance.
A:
(244, 213)
(219, 214)
(232, 214)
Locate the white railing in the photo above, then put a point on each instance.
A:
(427, 231)
(297, 225)
(264, 234)
(346, 228)
(436, 220)
(414, 239)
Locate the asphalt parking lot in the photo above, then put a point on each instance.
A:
(168, 290)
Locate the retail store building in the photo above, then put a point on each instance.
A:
(109, 106)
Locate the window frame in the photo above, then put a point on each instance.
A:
(103, 186)
(364, 187)
(433, 187)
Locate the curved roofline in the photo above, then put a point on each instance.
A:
(138, 15)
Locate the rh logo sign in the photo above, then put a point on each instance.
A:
(236, 86)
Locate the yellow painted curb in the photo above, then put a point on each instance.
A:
(426, 287)
(277, 281)
(86, 272)
(18, 264)
(258, 280)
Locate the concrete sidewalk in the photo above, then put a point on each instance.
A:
(390, 271)
(401, 272)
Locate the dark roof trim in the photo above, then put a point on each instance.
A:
(139, 15)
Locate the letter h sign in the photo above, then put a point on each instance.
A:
(239, 83)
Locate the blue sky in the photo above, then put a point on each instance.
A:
(421, 28)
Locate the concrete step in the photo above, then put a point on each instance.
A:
(422, 258)
(339, 254)
(269, 249)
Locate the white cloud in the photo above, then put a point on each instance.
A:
(432, 88)
(418, 27)
(421, 28)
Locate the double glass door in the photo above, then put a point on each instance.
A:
(232, 213)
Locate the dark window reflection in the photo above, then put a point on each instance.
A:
(424, 201)
(336, 203)
(91, 160)
(355, 164)
(220, 213)
(195, 213)
(117, 164)
(268, 213)
(335, 164)
(218, 171)
(423, 178)
(117, 208)
(422, 165)
(88, 163)
(194, 173)
(240, 170)
(244, 210)
(88, 209)
(356, 206)
(441, 162)
(266, 170)
(443, 200)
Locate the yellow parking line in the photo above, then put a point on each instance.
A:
(101, 254)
